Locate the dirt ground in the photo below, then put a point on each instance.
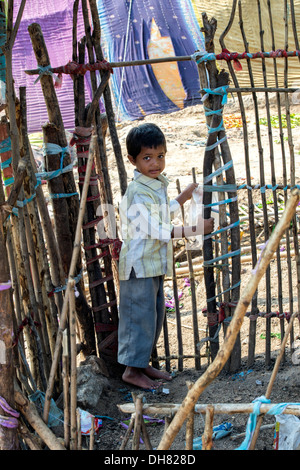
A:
(186, 134)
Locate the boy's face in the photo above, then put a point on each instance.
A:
(150, 161)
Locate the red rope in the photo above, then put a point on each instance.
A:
(73, 68)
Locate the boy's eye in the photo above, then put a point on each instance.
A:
(161, 156)
(146, 158)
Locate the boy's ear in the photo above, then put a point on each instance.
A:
(131, 159)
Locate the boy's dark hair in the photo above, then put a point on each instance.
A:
(146, 135)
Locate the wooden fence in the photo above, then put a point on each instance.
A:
(261, 198)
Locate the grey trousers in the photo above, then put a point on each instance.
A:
(141, 317)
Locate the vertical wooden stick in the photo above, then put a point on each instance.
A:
(138, 422)
(92, 433)
(79, 437)
(75, 254)
(65, 381)
(73, 371)
(190, 426)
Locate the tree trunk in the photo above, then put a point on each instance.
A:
(8, 435)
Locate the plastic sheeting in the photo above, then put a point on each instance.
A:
(146, 29)
(157, 28)
(140, 29)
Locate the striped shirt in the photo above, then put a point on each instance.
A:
(145, 216)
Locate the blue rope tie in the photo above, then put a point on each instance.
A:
(5, 145)
(219, 258)
(62, 195)
(221, 230)
(251, 424)
(224, 292)
(46, 71)
(218, 171)
(228, 188)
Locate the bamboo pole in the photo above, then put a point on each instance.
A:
(234, 327)
(75, 254)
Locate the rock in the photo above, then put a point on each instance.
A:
(91, 383)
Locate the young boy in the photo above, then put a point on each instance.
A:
(146, 254)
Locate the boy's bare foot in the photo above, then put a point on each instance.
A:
(135, 376)
(157, 374)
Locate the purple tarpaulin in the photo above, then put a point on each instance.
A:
(134, 29)
(55, 19)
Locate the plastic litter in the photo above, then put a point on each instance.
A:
(56, 416)
(86, 422)
(220, 431)
(287, 433)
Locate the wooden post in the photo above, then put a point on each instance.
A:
(190, 425)
(216, 80)
(8, 435)
(138, 421)
(73, 369)
(207, 441)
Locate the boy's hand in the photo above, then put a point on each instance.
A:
(209, 225)
(186, 194)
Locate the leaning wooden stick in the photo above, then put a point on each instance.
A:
(272, 379)
(234, 326)
(72, 270)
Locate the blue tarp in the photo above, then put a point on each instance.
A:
(130, 30)
(142, 29)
